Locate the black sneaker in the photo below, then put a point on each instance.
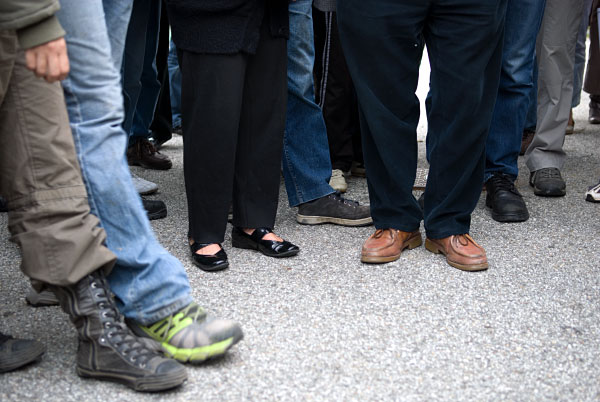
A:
(15, 353)
(504, 199)
(155, 209)
(548, 182)
(334, 208)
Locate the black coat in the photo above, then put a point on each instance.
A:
(225, 26)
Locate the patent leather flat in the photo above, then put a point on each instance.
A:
(255, 241)
(209, 263)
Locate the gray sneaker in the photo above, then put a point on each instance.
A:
(143, 186)
(334, 208)
(547, 182)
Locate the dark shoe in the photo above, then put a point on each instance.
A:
(505, 200)
(155, 209)
(358, 169)
(334, 208)
(386, 245)
(15, 353)
(461, 252)
(528, 135)
(3, 207)
(190, 335)
(255, 241)
(108, 350)
(594, 112)
(209, 263)
(143, 154)
(571, 124)
(548, 182)
(42, 299)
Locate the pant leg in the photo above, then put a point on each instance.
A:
(260, 135)
(175, 85)
(336, 92)
(389, 33)
(150, 85)
(211, 102)
(306, 163)
(162, 125)
(149, 283)
(49, 217)
(464, 43)
(591, 83)
(555, 49)
(523, 19)
(580, 53)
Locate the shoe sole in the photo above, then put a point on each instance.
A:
(158, 382)
(150, 167)
(202, 354)
(412, 243)
(214, 268)
(157, 215)
(248, 245)
(435, 249)
(22, 358)
(318, 220)
(591, 198)
(506, 218)
(546, 193)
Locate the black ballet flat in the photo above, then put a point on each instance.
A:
(271, 248)
(209, 263)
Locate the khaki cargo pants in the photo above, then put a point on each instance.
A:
(49, 216)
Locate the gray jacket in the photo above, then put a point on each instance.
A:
(324, 5)
(33, 20)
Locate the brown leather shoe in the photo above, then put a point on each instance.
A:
(386, 245)
(143, 154)
(461, 252)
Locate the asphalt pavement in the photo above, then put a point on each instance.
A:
(323, 326)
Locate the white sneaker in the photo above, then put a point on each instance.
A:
(337, 181)
(593, 193)
(142, 186)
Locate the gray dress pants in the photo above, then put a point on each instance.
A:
(555, 49)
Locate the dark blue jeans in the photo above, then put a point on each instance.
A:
(140, 78)
(523, 19)
(383, 43)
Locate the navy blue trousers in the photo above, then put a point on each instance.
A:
(383, 42)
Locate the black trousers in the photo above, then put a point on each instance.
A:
(383, 43)
(335, 93)
(233, 115)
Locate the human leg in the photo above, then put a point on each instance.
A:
(555, 49)
(306, 163)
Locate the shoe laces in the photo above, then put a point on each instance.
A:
(337, 196)
(465, 239)
(548, 173)
(116, 331)
(149, 147)
(503, 182)
(165, 329)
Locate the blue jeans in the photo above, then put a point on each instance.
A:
(523, 19)
(175, 85)
(148, 282)
(531, 119)
(306, 163)
(140, 77)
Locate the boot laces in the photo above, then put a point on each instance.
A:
(550, 173)
(116, 331)
(337, 196)
(503, 182)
